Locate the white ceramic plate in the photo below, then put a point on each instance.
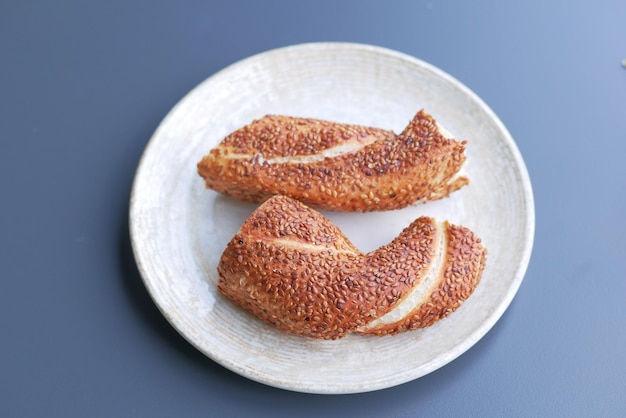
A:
(179, 229)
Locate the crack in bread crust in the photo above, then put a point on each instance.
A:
(412, 300)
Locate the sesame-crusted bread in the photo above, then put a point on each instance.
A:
(336, 166)
(292, 267)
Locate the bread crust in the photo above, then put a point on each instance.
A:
(335, 166)
(292, 267)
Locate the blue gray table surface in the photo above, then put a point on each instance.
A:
(83, 85)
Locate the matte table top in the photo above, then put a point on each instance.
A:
(83, 86)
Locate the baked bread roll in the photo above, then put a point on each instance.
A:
(336, 166)
(293, 268)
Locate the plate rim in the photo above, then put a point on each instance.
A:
(462, 346)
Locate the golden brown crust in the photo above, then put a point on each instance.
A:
(292, 267)
(336, 166)
(462, 268)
